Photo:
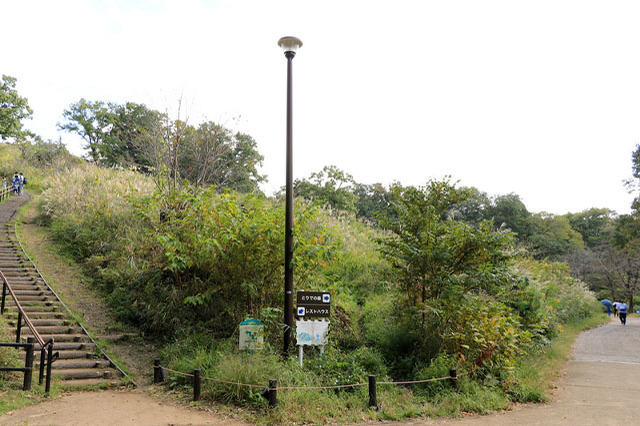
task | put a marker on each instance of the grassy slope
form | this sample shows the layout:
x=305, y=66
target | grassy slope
x=539, y=372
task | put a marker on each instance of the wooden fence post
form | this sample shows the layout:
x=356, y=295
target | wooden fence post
x=453, y=378
x=157, y=371
x=196, y=385
x=373, y=394
x=273, y=393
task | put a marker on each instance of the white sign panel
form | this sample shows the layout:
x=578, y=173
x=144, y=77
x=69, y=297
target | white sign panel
x=312, y=333
x=251, y=335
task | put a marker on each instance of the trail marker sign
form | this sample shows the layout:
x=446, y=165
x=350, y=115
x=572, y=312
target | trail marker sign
x=313, y=304
x=251, y=335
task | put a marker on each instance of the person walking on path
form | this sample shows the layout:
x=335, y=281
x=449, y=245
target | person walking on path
x=615, y=308
x=16, y=184
x=20, y=184
x=622, y=311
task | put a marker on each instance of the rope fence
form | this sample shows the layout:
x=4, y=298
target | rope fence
x=270, y=392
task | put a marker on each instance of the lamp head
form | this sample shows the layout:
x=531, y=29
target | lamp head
x=290, y=45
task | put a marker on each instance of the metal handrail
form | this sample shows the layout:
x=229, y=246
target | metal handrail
x=46, y=348
x=22, y=311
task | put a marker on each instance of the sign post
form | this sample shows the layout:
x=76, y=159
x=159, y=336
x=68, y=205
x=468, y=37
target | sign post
x=312, y=305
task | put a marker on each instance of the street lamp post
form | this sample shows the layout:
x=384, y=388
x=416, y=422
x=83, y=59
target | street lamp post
x=290, y=45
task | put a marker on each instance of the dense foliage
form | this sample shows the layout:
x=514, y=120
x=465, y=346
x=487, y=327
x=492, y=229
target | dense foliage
x=422, y=293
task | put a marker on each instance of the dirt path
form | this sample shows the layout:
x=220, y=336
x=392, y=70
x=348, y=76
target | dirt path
x=601, y=387
x=110, y=408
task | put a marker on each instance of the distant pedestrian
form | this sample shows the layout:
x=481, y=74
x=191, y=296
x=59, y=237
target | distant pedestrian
x=615, y=308
x=4, y=182
x=16, y=183
x=622, y=311
x=20, y=184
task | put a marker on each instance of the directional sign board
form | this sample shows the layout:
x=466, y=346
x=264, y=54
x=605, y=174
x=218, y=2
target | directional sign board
x=313, y=304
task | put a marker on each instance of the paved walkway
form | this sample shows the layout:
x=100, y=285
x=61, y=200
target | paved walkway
x=602, y=384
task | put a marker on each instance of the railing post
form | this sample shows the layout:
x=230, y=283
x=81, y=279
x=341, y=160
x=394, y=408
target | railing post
x=43, y=352
x=47, y=385
x=4, y=295
x=453, y=378
x=373, y=394
x=28, y=364
x=196, y=384
x=19, y=326
x=273, y=393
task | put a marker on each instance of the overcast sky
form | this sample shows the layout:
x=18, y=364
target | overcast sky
x=540, y=98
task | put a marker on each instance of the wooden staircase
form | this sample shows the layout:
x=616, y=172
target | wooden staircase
x=79, y=363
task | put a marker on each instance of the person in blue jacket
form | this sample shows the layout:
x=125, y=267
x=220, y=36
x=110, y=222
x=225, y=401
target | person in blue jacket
x=622, y=313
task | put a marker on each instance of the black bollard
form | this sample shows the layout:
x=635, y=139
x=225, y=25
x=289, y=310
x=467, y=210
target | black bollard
x=196, y=385
x=273, y=392
x=157, y=371
x=453, y=378
x=28, y=364
x=373, y=394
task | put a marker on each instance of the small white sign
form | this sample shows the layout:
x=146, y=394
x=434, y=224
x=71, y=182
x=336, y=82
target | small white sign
x=312, y=333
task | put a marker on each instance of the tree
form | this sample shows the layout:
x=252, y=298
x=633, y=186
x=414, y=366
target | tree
x=475, y=208
x=510, y=212
x=373, y=201
x=330, y=186
x=13, y=109
x=552, y=235
x=132, y=127
x=115, y=134
x=633, y=184
x=92, y=121
x=443, y=265
x=595, y=225
x=213, y=155
x=434, y=254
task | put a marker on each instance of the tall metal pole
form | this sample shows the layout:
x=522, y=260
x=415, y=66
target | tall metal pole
x=288, y=236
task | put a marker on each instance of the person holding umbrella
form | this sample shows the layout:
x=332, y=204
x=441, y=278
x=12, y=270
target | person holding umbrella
x=607, y=304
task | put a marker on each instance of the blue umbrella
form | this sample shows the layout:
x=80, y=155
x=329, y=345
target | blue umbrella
x=606, y=302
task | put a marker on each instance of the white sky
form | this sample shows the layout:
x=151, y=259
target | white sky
x=540, y=98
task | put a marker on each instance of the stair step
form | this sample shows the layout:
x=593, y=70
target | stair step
x=73, y=354
x=64, y=354
x=36, y=292
x=59, y=338
x=83, y=373
x=34, y=315
x=29, y=286
x=55, y=329
x=73, y=346
x=38, y=307
x=26, y=299
x=81, y=363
